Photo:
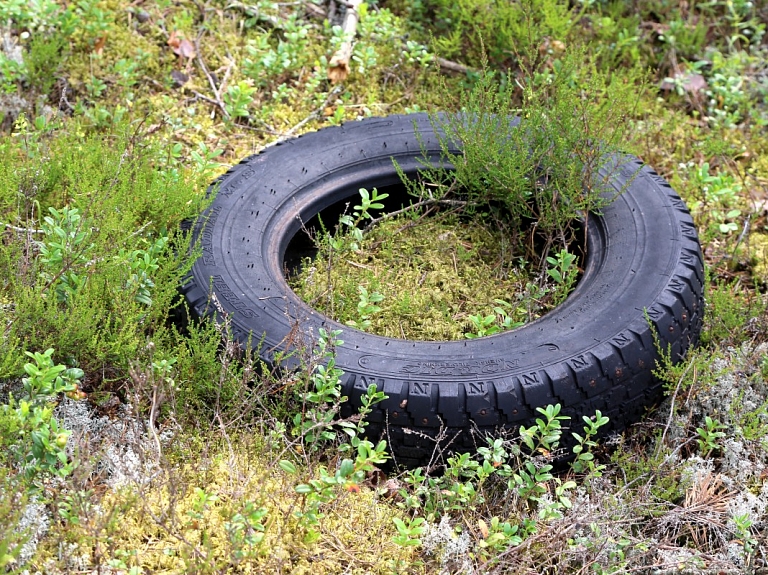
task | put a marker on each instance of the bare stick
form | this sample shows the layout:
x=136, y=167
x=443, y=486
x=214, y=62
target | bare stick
x=449, y=66
x=23, y=230
x=313, y=115
x=215, y=90
x=338, y=68
x=672, y=403
x=420, y=204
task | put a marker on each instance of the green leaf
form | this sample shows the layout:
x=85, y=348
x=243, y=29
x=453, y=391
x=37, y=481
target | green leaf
x=287, y=466
x=347, y=468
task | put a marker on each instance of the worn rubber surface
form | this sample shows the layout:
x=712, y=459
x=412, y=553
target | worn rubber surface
x=595, y=351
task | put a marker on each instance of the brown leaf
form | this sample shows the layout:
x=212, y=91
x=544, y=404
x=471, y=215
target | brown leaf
x=98, y=47
x=181, y=46
x=483, y=528
x=174, y=41
x=186, y=49
x=375, y=477
x=694, y=83
x=338, y=73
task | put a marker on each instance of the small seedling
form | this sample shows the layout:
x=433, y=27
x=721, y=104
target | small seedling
x=408, y=533
x=564, y=271
x=710, y=435
x=366, y=307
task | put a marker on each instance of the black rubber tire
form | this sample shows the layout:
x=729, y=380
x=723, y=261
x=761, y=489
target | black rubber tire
x=594, y=351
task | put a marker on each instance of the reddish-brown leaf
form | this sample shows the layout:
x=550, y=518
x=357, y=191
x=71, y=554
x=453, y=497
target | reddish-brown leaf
x=98, y=47
x=181, y=46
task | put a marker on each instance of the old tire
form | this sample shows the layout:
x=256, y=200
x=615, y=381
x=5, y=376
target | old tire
x=643, y=274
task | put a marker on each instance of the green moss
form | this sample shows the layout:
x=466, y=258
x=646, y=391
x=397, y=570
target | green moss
x=759, y=259
x=730, y=309
x=434, y=272
x=182, y=522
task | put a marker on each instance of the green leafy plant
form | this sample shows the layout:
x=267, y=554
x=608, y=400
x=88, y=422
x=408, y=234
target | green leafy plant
x=144, y=263
x=365, y=308
x=743, y=530
x=710, y=435
x=530, y=479
x=585, y=459
x=316, y=422
x=325, y=488
x=467, y=481
x=564, y=271
x=484, y=325
x=237, y=99
x=408, y=533
x=246, y=530
x=41, y=443
x=717, y=202
x=63, y=253
x=349, y=235
x=545, y=434
x=75, y=505
x=204, y=159
x=501, y=536
x=324, y=395
x=499, y=321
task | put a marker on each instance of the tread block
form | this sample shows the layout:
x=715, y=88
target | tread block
x=632, y=352
x=481, y=403
x=452, y=404
x=611, y=366
x=422, y=403
x=536, y=389
x=588, y=375
x=510, y=400
x=396, y=403
x=564, y=385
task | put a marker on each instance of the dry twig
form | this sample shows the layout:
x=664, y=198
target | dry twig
x=312, y=116
x=449, y=66
x=338, y=67
x=216, y=90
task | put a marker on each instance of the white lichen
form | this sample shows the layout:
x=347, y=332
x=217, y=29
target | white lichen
x=449, y=547
x=119, y=447
x=34, y=523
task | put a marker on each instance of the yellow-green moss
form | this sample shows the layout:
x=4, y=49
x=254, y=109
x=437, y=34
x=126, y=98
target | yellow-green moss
x=759, y=259
x=161, y=528
x=433, y=273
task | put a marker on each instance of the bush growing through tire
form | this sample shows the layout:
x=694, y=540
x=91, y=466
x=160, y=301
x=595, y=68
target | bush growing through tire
x=643, y=274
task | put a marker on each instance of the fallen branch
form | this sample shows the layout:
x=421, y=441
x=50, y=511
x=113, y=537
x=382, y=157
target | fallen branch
x=313, y=115
x=338, y=68
x=420, y=204
x=450, y=66
x=216, y=91
x=23, y=230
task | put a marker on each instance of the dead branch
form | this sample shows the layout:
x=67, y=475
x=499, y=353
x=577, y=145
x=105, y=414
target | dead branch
x=450, y=66
x=414, y=206
x=317, y=113
x=338, y=68
x=216, y=90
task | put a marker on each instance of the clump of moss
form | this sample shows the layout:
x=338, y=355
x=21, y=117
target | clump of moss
x=232, y=511
x=433, y=273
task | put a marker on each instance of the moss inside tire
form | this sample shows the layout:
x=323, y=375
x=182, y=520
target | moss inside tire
x=643, y=272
